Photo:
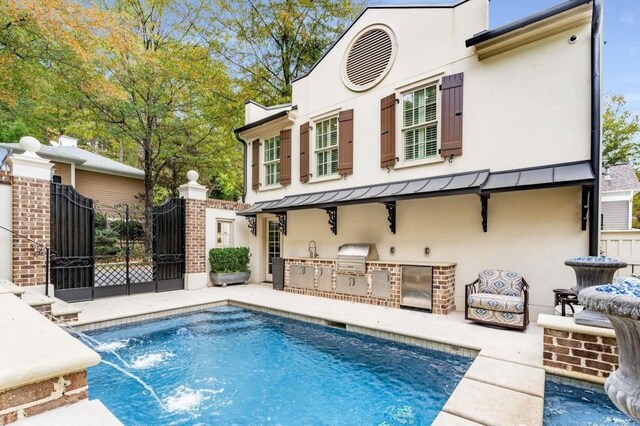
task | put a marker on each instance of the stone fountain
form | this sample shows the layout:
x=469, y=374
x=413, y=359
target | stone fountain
x=620, y=302
x=591, y=271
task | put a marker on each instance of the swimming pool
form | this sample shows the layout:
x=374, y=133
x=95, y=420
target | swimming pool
x=228, y=365
x=566, y=405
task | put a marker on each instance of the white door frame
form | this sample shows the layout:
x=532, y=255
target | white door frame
x=269, y=233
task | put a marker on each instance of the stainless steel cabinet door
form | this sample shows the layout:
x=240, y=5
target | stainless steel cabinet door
x=301, y=276
x=343, y=284
x=381, y=284
x=359, y=286
x=324, y=279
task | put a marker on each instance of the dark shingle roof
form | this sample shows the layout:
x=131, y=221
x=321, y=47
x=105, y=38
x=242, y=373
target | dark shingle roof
x=623, y=178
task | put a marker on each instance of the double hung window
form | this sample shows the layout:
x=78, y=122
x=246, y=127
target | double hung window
x=420, y=124
x=326, y=147
x=272, y=161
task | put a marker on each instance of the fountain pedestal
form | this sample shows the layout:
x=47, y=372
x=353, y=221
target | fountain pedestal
x=620, y=302
x=591, y=271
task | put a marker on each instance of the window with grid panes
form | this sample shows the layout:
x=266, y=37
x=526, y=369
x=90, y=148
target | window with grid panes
x=272, y=161
x=420, y=124
x=327, y=147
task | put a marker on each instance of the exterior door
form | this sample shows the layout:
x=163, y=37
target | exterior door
x=273, y=245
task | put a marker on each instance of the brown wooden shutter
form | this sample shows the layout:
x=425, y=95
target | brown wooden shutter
x=285, y=157
x=304, y=153
x=451, y=119
x=255, y=165
x=345, y=142
x=388, y=131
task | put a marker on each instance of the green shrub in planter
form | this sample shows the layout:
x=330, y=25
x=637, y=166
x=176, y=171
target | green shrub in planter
x=229, y=259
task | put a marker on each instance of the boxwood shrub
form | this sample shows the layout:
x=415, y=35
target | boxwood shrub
x=229, y=259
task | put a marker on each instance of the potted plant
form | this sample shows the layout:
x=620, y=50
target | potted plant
x=229, y=265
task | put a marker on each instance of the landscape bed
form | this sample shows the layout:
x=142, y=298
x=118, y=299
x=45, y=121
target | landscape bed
x=235, y=366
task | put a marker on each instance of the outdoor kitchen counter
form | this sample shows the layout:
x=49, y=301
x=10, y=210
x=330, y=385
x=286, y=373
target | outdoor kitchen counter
x=373, y=262
x=380, y=284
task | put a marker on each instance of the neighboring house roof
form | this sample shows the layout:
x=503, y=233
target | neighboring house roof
x=84, y=160
x=623, y=178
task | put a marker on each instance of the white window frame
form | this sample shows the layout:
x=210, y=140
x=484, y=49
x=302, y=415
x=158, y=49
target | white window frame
x=400, y=136
x=315, y=150
x=266, y=163
x=220, y=236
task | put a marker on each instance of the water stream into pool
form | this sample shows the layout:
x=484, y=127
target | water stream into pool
x=227, y=365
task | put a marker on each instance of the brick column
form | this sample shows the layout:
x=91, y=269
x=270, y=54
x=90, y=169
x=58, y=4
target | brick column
x=444, y=289
x=195, y=196
x=30, y=213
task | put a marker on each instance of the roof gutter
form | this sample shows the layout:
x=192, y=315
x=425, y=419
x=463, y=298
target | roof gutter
x=596, y=129
x=244, y=164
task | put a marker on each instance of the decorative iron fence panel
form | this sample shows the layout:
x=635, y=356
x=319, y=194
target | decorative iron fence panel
x=169, y=244
x=72, y=244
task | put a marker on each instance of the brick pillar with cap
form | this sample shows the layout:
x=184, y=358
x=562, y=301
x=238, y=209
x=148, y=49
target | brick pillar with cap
x=30, y=179
x=195, y=200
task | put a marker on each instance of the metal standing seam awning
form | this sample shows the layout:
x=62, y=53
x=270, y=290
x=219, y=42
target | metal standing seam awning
x=480, y=182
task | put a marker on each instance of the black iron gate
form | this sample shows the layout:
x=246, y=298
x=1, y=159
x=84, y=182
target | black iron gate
x=103, y=251
x=71, y=244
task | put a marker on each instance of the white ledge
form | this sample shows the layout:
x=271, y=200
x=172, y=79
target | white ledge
x=35, y=349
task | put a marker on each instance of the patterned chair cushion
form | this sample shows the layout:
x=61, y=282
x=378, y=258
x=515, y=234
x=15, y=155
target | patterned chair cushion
x=495, y=281
x=496, y=302
x=496, y=317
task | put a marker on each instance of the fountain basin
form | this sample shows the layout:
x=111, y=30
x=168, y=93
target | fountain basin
x=592, y=271
x=620, y=302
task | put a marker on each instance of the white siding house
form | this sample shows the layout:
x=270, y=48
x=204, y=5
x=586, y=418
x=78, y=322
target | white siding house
x=619, y=185
x=441, y=142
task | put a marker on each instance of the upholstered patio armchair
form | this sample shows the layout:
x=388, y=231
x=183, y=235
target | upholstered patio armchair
x=499, y=298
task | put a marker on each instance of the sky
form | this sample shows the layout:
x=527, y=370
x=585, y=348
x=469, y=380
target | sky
x=621, y=68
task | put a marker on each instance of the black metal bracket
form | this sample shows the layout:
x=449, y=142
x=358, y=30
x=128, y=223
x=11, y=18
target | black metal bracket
x=332, y=212
x=586, y=193
x=391, y=215
x=484, y=200
x=253, y=225
x=282, y=222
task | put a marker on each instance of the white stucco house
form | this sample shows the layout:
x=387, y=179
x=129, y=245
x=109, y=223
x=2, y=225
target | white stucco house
x=619, y=185
x=443, y=143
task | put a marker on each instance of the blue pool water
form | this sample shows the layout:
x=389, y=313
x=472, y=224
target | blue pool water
x=566, y=405
x=228, y=365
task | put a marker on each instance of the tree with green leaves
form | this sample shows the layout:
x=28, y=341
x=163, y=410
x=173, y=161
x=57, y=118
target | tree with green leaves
x=271, y=42
x=620, y=132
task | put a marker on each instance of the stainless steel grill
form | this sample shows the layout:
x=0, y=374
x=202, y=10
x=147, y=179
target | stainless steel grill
x=352, y=258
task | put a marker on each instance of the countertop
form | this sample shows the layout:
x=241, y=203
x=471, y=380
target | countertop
x=374, y=262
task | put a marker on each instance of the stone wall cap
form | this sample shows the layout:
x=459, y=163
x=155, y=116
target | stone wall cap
x=35, y=349
x=556, y=322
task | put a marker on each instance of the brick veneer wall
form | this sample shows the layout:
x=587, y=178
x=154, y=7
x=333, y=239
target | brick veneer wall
x=195, y=236
x=5, y=178
x=31, y=218
x=35, y=398
x=196, y=230
x=226, y=205
x=443, y=285
x=580, y=353
x=444, y=289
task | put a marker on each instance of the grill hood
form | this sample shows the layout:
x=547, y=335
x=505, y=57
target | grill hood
x=358, y=251
x=352, y=257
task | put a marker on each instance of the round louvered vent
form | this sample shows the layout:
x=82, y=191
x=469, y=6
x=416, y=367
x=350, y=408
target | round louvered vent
x=368, y=58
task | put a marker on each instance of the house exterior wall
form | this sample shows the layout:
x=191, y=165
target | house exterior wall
x=6, y=217
x=531, y=232
x=109, y=190
x=513, y=117
x=64, y=171
x=527, y=107
x=240, y=232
